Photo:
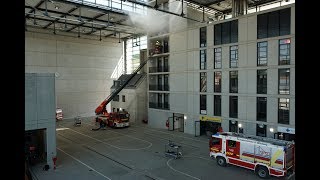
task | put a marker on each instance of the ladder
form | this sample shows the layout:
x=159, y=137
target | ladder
x=117, y=90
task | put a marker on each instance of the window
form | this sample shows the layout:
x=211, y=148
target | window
x=203, y=59
x=123, y=98
x=113, y=109
x=284, y=81
x=233, y=56
x=217, y=58
x=166, y=101
x=117, y=109
x=283, y=111
x=166, y=82
x=262, y=81
x=116, y=98
x=262, y=53
x=203, y=104
x=233, y=106
x=160, y=100
x=262, y=109
x=285, y=21
x=225, y=33
x=233, y=82
x=284, y=51
x=203, y=82
x=261, y=130
x=272, y=24
x=233, y=126
x=215, y=141
x=232, y=144
x=217, y=81
x=217, y=34
x=217, y=105
x=203, y=37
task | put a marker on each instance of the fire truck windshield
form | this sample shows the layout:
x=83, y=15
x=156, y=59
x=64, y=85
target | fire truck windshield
x=215, y=141
x=123, y=116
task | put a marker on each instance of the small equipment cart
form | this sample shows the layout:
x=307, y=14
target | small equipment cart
x=77, y=121
x=173, y=150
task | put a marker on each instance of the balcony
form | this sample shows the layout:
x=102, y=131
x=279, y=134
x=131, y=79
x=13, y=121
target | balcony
x=158, y=69
x=158, y=105
x=158, y=87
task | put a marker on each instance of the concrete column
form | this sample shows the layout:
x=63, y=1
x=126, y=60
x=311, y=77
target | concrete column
x=51, y=145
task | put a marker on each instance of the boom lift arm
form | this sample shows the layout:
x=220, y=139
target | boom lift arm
x=101, y=109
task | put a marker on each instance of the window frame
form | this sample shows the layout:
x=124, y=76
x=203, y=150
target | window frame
x=259, y=57
x=217, y=54
x=287, y=44
x=286, y=106
x=261, y=99
x=231, y=89
x=262, y=83
x=217, y=86
x=203, y=78
x=203, y=59
x=234, y=56
x=284, y=89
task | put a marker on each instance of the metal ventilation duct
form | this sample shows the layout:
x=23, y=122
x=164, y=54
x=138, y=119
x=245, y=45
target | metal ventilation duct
x=239, y=7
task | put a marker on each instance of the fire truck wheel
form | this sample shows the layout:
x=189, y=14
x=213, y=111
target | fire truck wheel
x=262, y=172
x=221, y=161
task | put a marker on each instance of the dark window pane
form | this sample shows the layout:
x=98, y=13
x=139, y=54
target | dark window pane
x=217, y=81
x=217, y=34
x=203, y=82
x=217, y=58
x=285, y=21
x=262, y=26
x=203, y=37
x=284, y=81
x=261, y=130
x=262, y=53
x=217, y=105
x=233, y=82
x=234, y=31
x=262, y=109
x=203, y=104
x=284, y=51
x=203, y=59
x=233, y=56
x=262, y=81
x=233, y=106
x=226, y=33
x=273, y=24
x=233, y=126
x=283, y=111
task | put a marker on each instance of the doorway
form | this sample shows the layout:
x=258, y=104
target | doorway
x=178, y=122
x=208, y=128
x=35, y=146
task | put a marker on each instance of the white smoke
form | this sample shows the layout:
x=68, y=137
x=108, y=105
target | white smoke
x=153, y=22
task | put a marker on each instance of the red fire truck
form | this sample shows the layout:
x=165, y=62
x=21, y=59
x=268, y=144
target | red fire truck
x=265, y=156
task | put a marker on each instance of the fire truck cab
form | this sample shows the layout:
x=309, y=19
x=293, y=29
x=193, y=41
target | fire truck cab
x=265, y=156
x=115, y=119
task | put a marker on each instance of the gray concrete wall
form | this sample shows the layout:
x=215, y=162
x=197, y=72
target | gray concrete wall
x=40, y=108
x=84, y=68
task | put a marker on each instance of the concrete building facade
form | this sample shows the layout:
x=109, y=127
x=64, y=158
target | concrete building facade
x=40, y=118
x=237, y=59
x=84, y=68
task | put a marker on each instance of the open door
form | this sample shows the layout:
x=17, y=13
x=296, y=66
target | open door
x=181, y=124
